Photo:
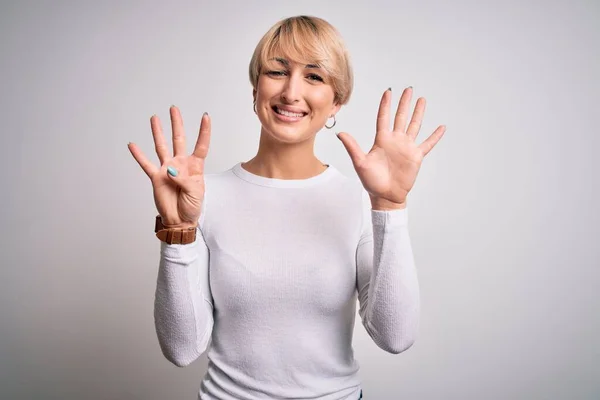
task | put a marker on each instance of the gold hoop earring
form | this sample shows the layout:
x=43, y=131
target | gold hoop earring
x=334, y=121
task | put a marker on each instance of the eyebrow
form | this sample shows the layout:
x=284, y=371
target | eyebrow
x=286, y=63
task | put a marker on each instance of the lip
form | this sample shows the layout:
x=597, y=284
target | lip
x=286, y=118
x=290, y=108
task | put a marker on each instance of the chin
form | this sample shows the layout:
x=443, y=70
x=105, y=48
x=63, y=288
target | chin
x=288, y=134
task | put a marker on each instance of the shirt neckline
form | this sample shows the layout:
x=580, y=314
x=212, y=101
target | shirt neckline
x=282, y=183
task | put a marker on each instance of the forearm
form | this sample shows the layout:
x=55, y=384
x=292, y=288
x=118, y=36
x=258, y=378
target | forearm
x=182, y=306
x=392, y=312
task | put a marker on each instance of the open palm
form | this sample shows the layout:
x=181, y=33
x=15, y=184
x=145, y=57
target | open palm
x=389, y=170
x=178, y=198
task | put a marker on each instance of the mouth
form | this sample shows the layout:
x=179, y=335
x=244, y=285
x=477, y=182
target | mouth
x=287, y=115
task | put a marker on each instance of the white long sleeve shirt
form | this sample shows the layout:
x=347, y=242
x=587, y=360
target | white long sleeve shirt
x=270, y=286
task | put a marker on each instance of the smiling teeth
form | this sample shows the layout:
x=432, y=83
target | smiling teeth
x=288, y=114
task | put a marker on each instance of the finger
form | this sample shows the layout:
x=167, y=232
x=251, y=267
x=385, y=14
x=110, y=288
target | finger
x=160, y=143
x=203, y=141
x=356, y=154
x=146, y=165
x=383, y=115
x=415, y=122
x=403, y=109
x=432, y=140
x=178, y=133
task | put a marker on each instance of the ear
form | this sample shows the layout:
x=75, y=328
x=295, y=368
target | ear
x=335, y=109
x=254, y=95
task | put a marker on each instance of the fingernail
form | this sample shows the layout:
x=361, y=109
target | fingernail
x=390, y=89
x=205, y=113
x=171, y=171
x=410, y=87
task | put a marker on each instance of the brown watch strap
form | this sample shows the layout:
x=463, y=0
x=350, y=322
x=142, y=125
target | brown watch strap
x=174, y=235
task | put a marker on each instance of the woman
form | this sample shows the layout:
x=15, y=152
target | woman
x=286, y=244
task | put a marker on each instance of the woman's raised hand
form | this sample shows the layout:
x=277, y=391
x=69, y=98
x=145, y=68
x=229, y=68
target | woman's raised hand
x=389, y=170
x=178, y=196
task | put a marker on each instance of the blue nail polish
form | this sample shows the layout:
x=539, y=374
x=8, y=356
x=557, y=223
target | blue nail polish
x=171, y=171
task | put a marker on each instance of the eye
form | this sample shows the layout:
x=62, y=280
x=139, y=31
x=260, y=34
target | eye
x=276, y=73
x=315, y=77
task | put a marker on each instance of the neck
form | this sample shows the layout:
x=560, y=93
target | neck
x=285, y=160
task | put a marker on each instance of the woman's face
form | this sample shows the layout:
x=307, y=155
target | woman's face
x=293, y=100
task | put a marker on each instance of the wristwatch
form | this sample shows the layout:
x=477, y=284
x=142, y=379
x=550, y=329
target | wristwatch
x=174, y=235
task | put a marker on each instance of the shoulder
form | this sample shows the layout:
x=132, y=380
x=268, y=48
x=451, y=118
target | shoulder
x=218, y=176
x=352, y=186
x=216, y=186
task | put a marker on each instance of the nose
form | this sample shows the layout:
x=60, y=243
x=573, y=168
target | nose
x=292, y=89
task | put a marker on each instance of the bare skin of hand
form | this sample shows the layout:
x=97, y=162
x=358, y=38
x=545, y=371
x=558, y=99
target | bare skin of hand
x=389, y=170
x=178, y=198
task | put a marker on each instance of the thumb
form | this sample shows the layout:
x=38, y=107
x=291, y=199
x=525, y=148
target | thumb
x=185, y=184
x=352, y=147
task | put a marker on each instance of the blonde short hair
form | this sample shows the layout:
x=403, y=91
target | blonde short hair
x=307, y=40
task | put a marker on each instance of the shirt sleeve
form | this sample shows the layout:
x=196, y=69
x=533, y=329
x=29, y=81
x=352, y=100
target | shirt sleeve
x=183, y=306
x=387, y=284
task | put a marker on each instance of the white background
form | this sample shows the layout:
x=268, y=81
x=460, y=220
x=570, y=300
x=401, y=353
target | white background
x=503, y=217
